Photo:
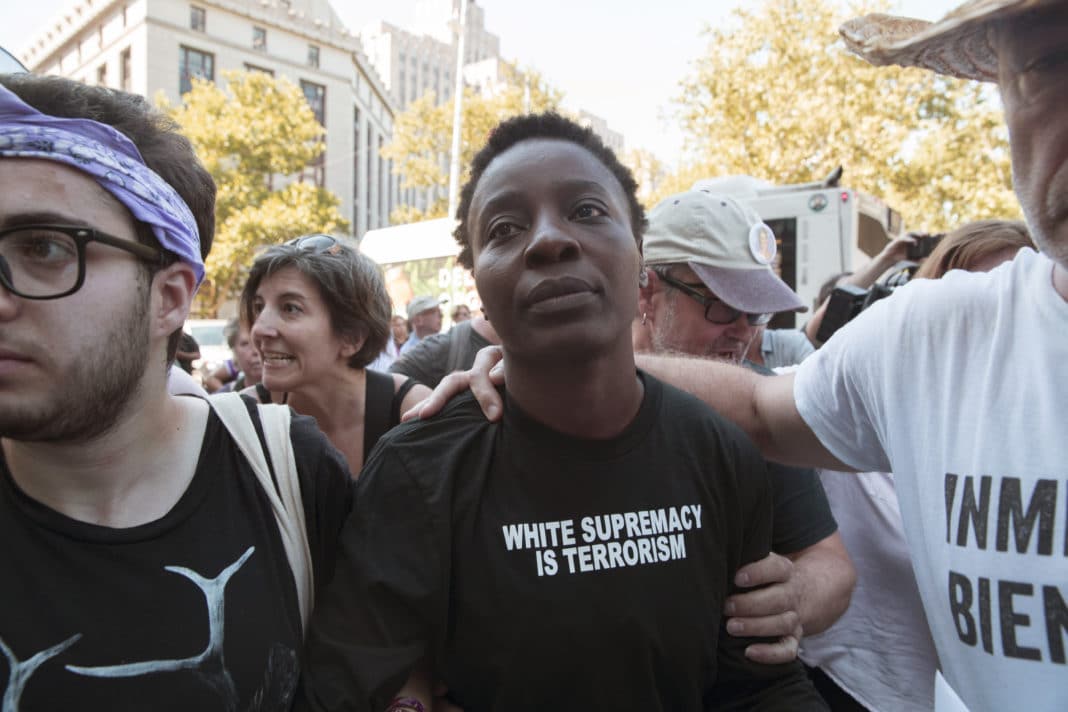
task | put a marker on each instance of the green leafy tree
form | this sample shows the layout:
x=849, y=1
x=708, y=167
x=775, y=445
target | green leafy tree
x=254, y=138
x=776, y=95
x=422, y=134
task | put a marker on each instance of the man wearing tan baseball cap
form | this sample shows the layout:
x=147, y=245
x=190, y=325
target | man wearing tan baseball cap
x=958, y=386
x=709, y=288
x=716, y=254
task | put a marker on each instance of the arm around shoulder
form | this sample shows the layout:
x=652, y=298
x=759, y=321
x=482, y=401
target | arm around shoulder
x=762, y=406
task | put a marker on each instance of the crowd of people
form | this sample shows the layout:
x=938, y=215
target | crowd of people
x=626, y=491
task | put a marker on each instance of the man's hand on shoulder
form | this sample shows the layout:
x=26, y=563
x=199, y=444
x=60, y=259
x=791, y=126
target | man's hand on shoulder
x=485, y=375
x=771, y=611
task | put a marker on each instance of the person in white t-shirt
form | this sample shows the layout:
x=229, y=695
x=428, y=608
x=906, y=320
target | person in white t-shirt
x=880, y=655
x=957, y=386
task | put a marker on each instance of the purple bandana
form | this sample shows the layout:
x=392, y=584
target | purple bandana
x=111, y=159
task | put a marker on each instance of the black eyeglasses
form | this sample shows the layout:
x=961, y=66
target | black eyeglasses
x=48, y=261
x=716, y=310
x=317, y=243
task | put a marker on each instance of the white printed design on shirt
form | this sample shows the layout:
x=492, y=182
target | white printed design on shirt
x=609, y=541
x=209, y=665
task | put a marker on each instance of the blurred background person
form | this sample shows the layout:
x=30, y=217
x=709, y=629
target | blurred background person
x=246, y=360
x=880, y=654
x=777, y=348
x=424, y=319
x=398, y=334
x=436, y=356
x=188, y=352
x=460, y=312
x=320, y=314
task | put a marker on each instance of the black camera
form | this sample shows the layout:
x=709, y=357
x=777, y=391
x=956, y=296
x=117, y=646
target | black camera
x=923, y=246
x=847, y=300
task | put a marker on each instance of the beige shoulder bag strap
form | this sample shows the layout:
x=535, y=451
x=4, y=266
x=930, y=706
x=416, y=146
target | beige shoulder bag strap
x=286, y=501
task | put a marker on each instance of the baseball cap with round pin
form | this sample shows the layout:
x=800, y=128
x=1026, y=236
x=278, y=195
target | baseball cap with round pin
x=726, y=244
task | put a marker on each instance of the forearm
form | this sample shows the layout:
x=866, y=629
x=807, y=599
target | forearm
x=726, y=388
x=825, y=577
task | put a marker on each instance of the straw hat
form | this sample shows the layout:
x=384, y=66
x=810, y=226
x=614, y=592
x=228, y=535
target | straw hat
x=960, y=44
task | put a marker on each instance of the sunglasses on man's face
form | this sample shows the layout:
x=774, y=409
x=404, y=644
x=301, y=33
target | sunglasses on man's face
x=716, y=310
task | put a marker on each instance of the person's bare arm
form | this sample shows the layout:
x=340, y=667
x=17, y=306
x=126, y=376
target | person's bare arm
x=804, y=592
x=763, y=406
x=827, y=579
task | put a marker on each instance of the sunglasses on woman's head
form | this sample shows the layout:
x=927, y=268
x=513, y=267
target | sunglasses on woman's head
x=316, y=243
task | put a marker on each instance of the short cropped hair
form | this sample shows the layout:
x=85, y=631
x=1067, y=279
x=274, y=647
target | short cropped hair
x=972, y=243
x=350, y=285
x=549, y=125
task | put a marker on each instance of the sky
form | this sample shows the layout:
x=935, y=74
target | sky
x=620, y=60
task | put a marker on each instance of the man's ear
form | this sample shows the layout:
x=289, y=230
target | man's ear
x=646, y=289
x=173, y=288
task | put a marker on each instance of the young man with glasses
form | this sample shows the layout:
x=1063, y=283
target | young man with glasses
x=143, y=568
x=709, y=289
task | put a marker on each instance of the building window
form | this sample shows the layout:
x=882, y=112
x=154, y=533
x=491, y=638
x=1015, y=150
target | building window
x=383, y=187
x=100, y=37
x=259, y=39
x=316, y=96
x=124, y=69
x=198, y=18
x=355, y=166
x=102, y=75
x=369, y=159
x=313, y=56
x=194, y=63
x=261, y=70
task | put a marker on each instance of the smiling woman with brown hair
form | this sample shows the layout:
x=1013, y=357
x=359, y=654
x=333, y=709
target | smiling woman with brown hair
x=320, y=314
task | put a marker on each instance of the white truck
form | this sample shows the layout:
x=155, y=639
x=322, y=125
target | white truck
x=420, y=259
x=820, y=228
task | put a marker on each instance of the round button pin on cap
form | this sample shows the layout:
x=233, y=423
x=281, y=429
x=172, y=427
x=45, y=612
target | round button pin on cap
x=762, y=243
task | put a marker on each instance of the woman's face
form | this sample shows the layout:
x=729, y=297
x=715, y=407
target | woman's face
x=555, y=257
x=248, y=358
x=293, y=333
x=400, y=329
x=462, y=313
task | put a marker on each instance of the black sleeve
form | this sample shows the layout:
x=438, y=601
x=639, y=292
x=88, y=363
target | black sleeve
x=426, y=361
x=375, y=621
x=740, y=683
x=803, y=515
x=326, y=488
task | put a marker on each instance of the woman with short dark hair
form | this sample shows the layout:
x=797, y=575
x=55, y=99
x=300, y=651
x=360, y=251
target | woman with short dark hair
x=320, y=314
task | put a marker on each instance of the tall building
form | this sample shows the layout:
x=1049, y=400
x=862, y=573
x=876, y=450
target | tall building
x=147, y=46
x=612, y=139
x=414, y=61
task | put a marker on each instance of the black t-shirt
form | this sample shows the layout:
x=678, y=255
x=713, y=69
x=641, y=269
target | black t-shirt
x=194, y=611
x=437, y=356
x=539, y=571
x=803, y=514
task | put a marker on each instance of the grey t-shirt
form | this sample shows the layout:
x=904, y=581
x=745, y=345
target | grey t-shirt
x=436, y=356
